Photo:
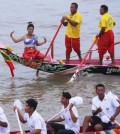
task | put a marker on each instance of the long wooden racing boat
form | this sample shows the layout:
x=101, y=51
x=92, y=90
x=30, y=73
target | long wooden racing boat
x=89, y=131
x=89, y=65
x=56, y=68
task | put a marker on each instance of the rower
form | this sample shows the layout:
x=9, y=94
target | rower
x=35, y=121
x=102, y=106
x=70, y=116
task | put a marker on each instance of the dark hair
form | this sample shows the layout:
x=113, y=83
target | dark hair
x=67, y=95
x=105, y=8
x=100, y=85
x=32, y=103
x=30, y=24
x=76, y=5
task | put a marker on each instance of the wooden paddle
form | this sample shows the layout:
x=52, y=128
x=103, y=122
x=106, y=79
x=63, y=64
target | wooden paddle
x=79, y=67
x=18, y=104
x=116, y=43
x=76, y=101
x=51, y=44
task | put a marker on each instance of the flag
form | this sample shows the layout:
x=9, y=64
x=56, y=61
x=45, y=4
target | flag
x=8, y=60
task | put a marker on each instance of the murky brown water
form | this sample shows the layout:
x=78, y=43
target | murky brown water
x=47, y=88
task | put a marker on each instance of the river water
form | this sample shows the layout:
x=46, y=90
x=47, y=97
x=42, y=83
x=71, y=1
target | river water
x=47, y=88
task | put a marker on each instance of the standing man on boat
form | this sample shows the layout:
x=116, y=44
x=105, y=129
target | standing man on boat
x=106, y=35
x=73, y=22
x=35, y=121
x=70, y=116
x=4, y=124
x=102, y=105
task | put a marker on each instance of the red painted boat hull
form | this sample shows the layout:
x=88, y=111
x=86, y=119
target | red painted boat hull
x=89, y=131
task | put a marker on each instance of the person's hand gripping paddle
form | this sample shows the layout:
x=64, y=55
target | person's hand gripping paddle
x=18, y=105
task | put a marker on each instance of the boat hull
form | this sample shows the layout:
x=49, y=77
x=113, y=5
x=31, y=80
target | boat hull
x=89, y=131
x=55, y=68
x=89, y=66
x=106, y=70
x=93, y=66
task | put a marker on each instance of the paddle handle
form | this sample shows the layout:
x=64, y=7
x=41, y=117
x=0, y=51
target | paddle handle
x=77, y=70
x=56, y=115
x=53, y=39
x=18, y=121
x=116, y=43
x=108, y=116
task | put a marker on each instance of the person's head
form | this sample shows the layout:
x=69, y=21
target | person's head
x=103, y=9
x=31, y=105
x=65, y=98
x=73, y=8
x=100, y=90
x=30, y=28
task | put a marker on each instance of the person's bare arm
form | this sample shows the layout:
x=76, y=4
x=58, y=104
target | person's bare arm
x=115, y=114
x=95, y=112
x=102, y=31
x=41, y=43
x=36, y=131
x=65, y=23
x=74, y=118
x=73, y=23
x=14, y=39
x=20, y=115
x=59, y=119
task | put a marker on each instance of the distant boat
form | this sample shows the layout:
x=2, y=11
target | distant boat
x=90, y=65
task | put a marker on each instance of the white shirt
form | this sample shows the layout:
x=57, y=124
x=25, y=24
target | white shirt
x=35, y=121
x=4, y=130
x=108, y=105
x=69, y=124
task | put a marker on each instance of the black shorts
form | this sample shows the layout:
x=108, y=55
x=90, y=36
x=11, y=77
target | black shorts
x=97, y=120
x=60, y=128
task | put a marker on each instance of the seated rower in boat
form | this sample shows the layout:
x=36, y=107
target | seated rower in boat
x=31, y=42
x=34, y=120
x=70, y=116
x=104, y=109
